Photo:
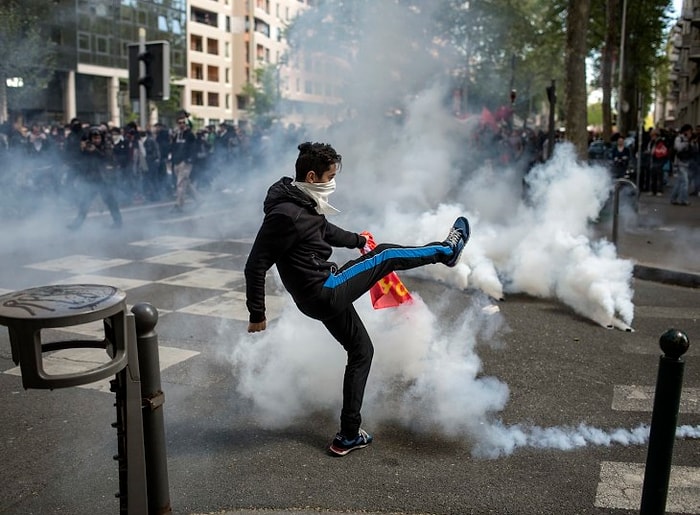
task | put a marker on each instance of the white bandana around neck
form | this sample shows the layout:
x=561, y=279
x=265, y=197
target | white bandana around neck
x=319, y=191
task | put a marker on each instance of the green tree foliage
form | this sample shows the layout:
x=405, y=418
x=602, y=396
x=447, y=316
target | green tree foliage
x=646, y=34
x=263, y=96
x=487, y=48
x=27, y=54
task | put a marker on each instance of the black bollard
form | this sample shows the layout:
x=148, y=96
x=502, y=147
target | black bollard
x=667, y=398
x=146, y=317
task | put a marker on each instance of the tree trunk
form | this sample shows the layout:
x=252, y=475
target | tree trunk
x=576, y=95
x=611, y=10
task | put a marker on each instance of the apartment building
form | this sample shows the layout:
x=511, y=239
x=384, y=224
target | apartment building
x=229, y=39
x=226, y=41
x=681, y=105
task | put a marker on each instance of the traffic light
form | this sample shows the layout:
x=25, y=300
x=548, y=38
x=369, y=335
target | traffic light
x=157, y=76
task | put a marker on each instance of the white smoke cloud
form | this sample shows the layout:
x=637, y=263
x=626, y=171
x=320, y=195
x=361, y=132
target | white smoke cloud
x=406, y=182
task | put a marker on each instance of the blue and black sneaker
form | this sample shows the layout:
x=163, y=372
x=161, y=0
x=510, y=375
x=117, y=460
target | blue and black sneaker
x=457, y=239
x=342, y=445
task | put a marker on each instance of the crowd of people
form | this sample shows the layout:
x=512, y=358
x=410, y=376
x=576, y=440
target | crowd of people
x=668, y=158
x=123, y=165
x=129, y=165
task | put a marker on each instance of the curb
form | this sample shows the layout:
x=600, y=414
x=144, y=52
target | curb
x=666, y=276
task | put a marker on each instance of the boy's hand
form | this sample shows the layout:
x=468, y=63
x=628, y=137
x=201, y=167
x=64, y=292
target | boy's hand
x=255, y=327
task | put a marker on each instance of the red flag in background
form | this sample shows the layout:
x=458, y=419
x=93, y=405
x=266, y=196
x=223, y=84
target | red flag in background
x=389, y=291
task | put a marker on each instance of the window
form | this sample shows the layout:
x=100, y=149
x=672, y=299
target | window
x=227, y=75
x=262, y=27
x=228, y=101
x=213, y=73
x=84, y=41
x=212, y=46
x=213, y=99
x=197, y=71
x=227, y=49
x=205, y=17
x=197, y=98
x=196, y=43
x=101, y=45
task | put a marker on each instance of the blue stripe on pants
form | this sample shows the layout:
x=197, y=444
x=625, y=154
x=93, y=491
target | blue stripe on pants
x=334, y=281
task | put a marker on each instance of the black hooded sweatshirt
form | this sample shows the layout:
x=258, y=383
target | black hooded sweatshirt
x=299, y=241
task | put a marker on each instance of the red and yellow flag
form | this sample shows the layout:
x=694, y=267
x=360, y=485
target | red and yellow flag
x=389, y=291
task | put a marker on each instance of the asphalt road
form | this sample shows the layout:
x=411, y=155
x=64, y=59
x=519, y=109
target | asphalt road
x=561, y=370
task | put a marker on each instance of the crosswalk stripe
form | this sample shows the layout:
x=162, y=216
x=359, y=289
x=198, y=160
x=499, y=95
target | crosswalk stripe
x=620, y=487
x=70, y=361
x=641, y=398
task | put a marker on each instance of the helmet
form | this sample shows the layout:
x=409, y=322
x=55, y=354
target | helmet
x=95, y=131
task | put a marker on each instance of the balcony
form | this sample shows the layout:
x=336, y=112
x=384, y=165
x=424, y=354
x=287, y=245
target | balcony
x=694, y=51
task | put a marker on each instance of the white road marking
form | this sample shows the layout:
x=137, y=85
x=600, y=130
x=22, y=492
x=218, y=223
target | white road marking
x=77, y=263
x=641, y=398
x=191, y=258
x=212, y=278
x=172, y=242
x=122, y=283
x=71, y=361
x=620, y=487
x=231, y=305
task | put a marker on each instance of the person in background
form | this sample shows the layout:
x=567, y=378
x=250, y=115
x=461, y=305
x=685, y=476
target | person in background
x=183, y=149
x=620, y=159
x=151, y=182
x=121, y=155
x=684, y=154
x=162, y=139
x=96, y=156
x=296, y=237
x=694, y=171
x=658, y=156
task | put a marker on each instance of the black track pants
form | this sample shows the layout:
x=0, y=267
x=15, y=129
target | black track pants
x=333, y=306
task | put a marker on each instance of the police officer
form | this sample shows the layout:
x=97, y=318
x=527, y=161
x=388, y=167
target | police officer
x=96, y=157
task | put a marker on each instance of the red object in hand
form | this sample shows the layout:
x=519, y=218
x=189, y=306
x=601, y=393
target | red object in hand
x=389, y=291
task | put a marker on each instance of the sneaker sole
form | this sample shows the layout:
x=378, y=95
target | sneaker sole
x=337, y=451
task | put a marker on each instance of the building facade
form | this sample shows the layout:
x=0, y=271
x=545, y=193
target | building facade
x=216, y=47
x=681, y=104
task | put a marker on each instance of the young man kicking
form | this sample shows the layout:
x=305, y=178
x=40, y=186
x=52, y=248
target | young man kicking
x=296, y=237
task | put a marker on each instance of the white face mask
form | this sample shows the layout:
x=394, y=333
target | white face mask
x=116, y=138
x=319, y=191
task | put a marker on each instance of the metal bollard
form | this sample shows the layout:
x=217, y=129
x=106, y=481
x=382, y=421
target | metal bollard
x=667, y=398
x=146, y=317
x=619, y=183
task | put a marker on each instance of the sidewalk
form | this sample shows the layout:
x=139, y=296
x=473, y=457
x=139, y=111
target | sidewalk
x=661, y=239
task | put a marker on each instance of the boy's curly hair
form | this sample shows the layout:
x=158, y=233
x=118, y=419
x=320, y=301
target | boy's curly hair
x=318, y=157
